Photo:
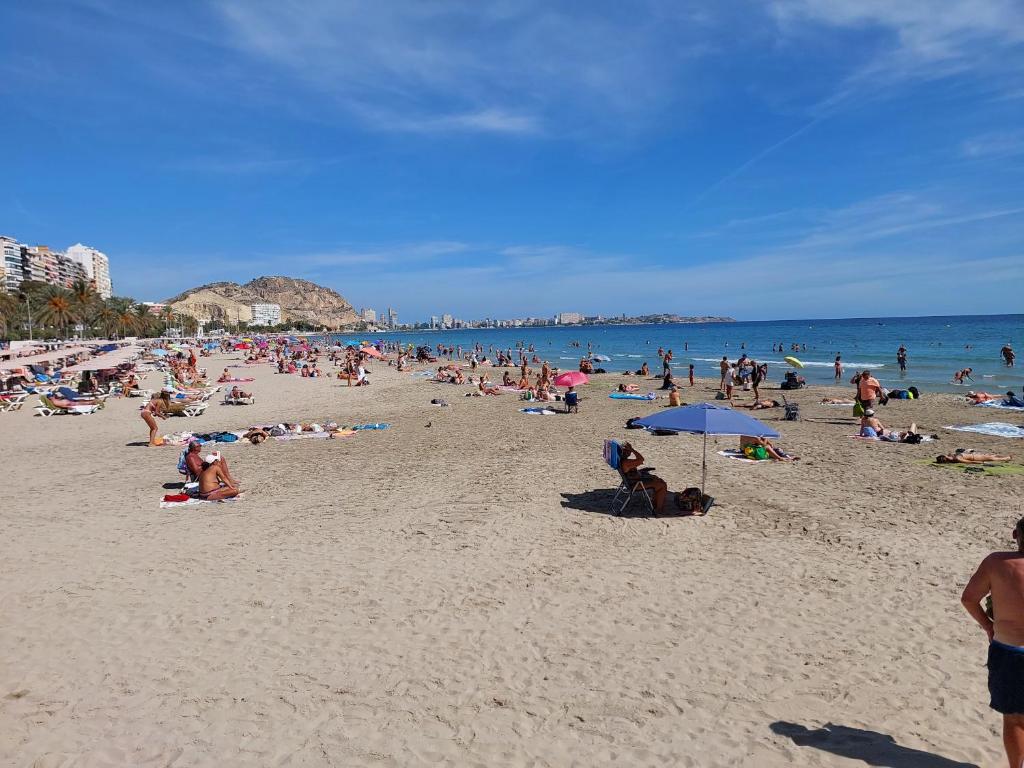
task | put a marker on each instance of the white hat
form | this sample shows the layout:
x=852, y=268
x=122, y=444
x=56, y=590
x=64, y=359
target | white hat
x=212, y=457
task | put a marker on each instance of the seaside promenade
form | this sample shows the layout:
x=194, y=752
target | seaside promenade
x=452, y=590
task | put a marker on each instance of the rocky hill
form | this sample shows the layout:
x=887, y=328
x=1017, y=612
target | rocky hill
x=299, y=300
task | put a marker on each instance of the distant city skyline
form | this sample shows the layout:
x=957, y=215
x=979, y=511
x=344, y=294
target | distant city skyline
x=792, y=158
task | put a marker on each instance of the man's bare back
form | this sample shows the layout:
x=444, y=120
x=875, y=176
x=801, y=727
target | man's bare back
x=1002, y=575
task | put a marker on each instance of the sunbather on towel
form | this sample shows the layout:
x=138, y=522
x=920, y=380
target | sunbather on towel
x=969, y=456
x=630, y=462
x=256, y=435
x=836, y=401
x=746, y=441
x=214, y=483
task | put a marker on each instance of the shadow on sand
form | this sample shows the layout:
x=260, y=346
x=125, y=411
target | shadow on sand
x=871, y=747
x=599, y=501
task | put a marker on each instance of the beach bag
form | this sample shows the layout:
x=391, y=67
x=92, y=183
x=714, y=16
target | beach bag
x=690, y=500
x=858, y=409
x=755, y=452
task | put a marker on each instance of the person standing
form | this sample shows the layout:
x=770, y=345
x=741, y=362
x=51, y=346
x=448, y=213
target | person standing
x=755, y=379
x=691, y=374
x=724, y=368
x=901, y=358
x=1001, y=576
x=839, y=368
x=869, y=391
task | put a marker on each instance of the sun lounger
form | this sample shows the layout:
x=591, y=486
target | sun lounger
x=188, y=410
x=228, y=400
x=48, y=407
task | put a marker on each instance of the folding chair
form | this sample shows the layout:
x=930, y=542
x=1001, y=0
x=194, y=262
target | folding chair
x=627, y=487
x=572, y=402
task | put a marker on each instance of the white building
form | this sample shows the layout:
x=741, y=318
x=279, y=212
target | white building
x=569, y=318
x=368, y=315
x=447, y=320
x=265, y=314
x=12, y=265
x=97, y=267
x=392, y=318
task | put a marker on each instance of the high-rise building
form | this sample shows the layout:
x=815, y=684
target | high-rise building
x=12, y=262
x=97, y=267
x=44, y=266
x=265, y=314
x=368, y=315
x=433, y=322
x=382, y=318
x=568, y=318
x=446, y=320
x=392, y=318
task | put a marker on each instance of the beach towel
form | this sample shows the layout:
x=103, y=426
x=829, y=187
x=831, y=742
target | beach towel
x=924, y=439
x=989, y=468
x=182, y=500
x=632, y=396
x=612, y=453
x=364, y=427
x=239, y=381
x=1001, y=405
x=737, y=455
x=993, y=428
x=538, y=411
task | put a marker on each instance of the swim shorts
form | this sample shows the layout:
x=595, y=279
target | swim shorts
x=1006, y=678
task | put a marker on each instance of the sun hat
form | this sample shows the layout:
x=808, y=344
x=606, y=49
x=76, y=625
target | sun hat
x=212, y=457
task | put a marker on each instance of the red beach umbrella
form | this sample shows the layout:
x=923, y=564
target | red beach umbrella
x=571, y=379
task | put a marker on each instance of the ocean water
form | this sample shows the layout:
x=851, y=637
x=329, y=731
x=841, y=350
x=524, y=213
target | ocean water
x=936, y=347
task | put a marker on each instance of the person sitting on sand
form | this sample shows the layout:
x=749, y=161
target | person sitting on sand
x=194, y=461
x=668, y=382
x=524, y=383
x=747, y=441
x=214, y=483
x=870, y=426
x=486, y=388
x=507, y=381
x=969, y=456
x=1012, y=400
x=224, y=377
x=673, y=398
x=630, y=462
x=585, y=366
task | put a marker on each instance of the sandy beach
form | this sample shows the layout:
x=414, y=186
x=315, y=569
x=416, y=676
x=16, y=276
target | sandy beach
x=453, y=590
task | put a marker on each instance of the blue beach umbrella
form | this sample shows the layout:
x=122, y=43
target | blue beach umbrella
x=706, y=419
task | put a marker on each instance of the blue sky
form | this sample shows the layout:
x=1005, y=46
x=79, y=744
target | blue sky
x=783, y=158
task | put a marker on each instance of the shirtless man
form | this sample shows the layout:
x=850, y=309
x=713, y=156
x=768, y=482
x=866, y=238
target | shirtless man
x=194, y=462
x=214, y=483
x=1001, y=575
x=630, y=461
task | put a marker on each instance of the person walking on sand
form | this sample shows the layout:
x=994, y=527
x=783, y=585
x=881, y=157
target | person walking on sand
x=1001, y=576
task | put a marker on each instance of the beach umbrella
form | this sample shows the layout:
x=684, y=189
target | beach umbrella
x=371, y=351
x=794, y=362
x=706, y=419
x=571, y=379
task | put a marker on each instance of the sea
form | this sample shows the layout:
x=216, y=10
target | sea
x=937, y=347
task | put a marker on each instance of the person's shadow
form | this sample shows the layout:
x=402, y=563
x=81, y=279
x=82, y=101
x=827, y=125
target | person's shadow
x=872, y=747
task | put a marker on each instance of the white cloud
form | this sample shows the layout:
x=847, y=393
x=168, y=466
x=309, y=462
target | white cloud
x=995, y=145
x=499, y=67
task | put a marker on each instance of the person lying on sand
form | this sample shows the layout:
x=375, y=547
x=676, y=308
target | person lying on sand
x=486, y=388
x=630, y=462
x=256, y=435
x=836, y=401
x=628, y=388
x=760, y=405
x=214, y=484
x=969, y=456
x=747, y=441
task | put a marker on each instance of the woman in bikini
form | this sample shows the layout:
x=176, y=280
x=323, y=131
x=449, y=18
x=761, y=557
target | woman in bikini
x=155, y=408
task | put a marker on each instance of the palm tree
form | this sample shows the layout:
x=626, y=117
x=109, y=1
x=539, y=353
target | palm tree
x=106, y=319
x=9, y=307
x=145, y=323
x=85, y=299
x=168, y=317
x=58, y=309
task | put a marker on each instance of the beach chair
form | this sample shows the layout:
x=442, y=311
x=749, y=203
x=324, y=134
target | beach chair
x=228, y=400
x=13, y=401
x=572, y=402
x=47, y=407
x=189, y=410
x=792, y=410
x=627, y=487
